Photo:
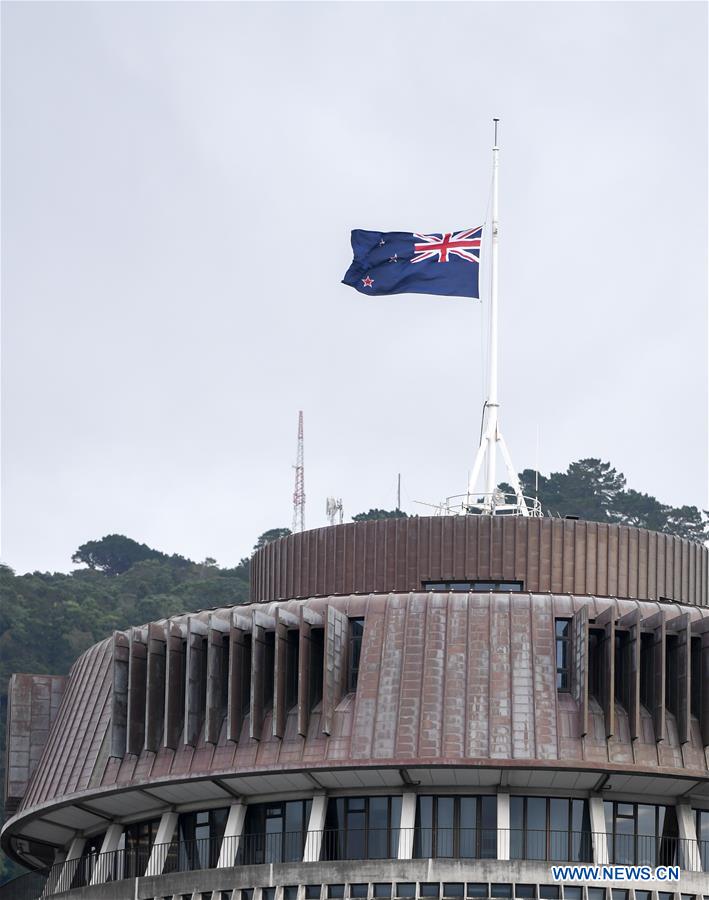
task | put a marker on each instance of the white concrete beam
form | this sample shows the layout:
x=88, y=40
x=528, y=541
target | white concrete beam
x=232, y=835
x=598, y=830
x=689, y=857
x=103, y=868
x=158, y=855
x=316, y=827
x=503, y=825
x=407, y=825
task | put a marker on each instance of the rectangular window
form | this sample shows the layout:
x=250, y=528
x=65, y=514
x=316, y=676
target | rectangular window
x=696, y=685
x=354, y=653
x=595, y=663
x=557, y=829
x=671, y=675
x=316, y=667
x=456, y=827
x=641, y=833
x=703, y=837
x=477, y=586
x=274, y=832
x=362, y=828
x=563, y=654
x=292, y=658
x=647, y=671
x=622, y=668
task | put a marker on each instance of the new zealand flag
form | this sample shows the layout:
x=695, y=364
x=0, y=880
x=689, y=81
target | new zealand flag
x=397, y=262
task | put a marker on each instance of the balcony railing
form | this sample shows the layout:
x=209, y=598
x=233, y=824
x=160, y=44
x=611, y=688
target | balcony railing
x=349, y=844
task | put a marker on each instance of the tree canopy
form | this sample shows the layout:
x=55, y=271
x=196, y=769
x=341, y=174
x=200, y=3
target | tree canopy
x=114, y=554
x=379, y=514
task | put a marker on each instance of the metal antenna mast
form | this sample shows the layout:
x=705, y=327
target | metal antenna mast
x=492, y=436
x=299, y=492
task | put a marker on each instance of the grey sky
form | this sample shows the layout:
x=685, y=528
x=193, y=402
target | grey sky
x=179, y=183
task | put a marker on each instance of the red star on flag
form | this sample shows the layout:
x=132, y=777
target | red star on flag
x=367, y=282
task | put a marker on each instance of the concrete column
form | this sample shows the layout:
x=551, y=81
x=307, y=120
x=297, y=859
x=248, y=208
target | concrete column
x=158, y=855
x=598, y=830
x=407, y=826
x=316, y=826
x=232, y=835
x=50, y=886
x=503, y=825
x=71, y=864
x=105, y=862
x=688, y=857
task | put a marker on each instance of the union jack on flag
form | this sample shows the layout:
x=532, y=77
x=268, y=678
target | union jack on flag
x=382, y=262
x=442, y=246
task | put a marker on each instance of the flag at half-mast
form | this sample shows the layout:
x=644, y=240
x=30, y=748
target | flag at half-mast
x=400, y=262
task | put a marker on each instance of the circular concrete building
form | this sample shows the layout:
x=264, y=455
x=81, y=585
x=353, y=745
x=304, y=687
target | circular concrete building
x=443, y=708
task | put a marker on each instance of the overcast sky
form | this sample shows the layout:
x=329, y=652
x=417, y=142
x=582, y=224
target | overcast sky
x=179, y=184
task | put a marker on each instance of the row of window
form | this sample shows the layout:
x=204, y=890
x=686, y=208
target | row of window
x=622, y=666
x=440, y=891
x=452, y=827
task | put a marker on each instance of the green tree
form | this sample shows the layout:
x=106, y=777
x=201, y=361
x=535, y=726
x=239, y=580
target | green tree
x=272, y=534
x=114, y=554
x=379, y=514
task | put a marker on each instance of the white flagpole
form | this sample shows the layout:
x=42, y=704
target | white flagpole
x=492, y=402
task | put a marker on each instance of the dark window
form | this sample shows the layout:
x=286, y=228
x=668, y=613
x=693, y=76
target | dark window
x=268, y=893
x=572, y=892
x=619, y=894
x=479, y=586
x=456, y=827
x=526, y=891
x=88, y=861
x=550, y=828
x=596, y=893
x=292, y=659
x=199, y=838
x=381, y=891
x=671, y=675
x=246, y=674
x=362, y=828
x=549, y=892
x=665, y=895
x=359, y=890
x=456, y=889
x=477, y=889
x=139, y=840
x=595, y=662
x=316, y=666
x=563, y=654
x=335, y=891
x=268, y=669
x=274, y=832
x=647, y=671
x=696, y=680
x=290, y=892
x=500, y=890
x=247, y=894
x=641, y=833
x=622, y=672
x=406, y=890
x=312, y=891
x=429, y=890
x=355, y=650
x=643, y=895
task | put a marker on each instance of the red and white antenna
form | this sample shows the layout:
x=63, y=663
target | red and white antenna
x=299, y=492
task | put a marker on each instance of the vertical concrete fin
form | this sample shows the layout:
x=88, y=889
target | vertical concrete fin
x=607, y=620
x=684, y=673
x=174, y=684
x=217, y=681
x=579, y=631
x=659, y=687
x=155, y=686
x=119, y=695
x=634, y=687
x=195, y=679
x=334, y=664
x=239, y=675
x=704, y=708
x=137, y=689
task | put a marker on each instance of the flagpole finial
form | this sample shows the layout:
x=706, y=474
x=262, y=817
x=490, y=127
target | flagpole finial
x=496, y=121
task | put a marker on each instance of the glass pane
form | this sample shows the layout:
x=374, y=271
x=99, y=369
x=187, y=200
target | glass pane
x=444, y=826
x=477, y=889
x=456, y=889
x=571, y=892
x=516, y=827
x=378, y=843
x=395, y=821
x=429, y=890
x=406, y=890
x=548, y=891
x=558, y=829
x=501, y=890
x=488, y=825
x=536, y=828
x=525, y=891
x=382, y=891
x=423, y=845
x=468, y=829
x=335, y=891
x=359, y=890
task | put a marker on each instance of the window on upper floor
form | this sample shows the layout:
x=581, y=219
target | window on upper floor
x=703, y=837
x=456, y=827
x=198, y=840
x=362, y=828
x=292, y=662
x=479, y=586
x=562, y=629
x=641, y=833
x=553, y=828
x=274, y=832
x=696, y=677
x=354, y=652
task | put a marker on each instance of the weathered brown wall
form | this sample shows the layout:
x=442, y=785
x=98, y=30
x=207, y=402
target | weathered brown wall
x=549, y=555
